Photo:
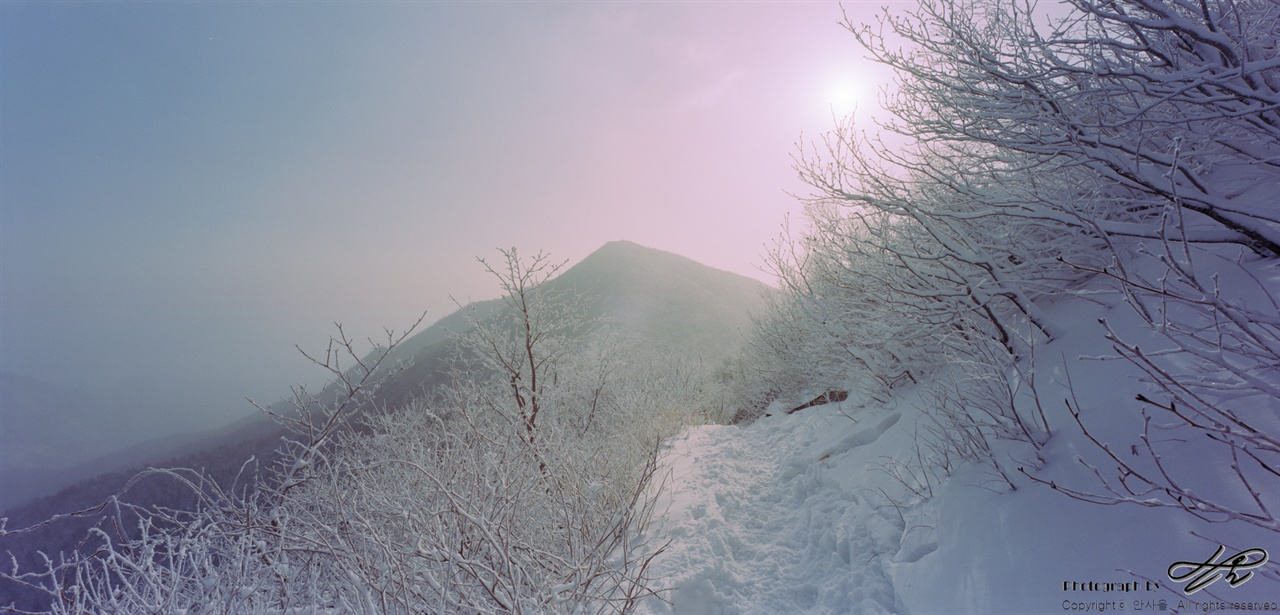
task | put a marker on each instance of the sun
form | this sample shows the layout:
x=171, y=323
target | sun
x=845, y=94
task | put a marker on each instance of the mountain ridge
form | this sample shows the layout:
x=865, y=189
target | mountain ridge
x=647, y=283
x=672, y=301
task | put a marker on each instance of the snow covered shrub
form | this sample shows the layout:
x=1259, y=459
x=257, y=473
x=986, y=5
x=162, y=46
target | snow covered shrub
x=953, y=240
x=1163, y=102
x=237, y=551
x=884, y=282
x=981, y=398
x=777, y=360
x=464, y=515
x=1135, y=140
x=864, y=311
x=847, y=316
x=524, y=487
x=1210, y=355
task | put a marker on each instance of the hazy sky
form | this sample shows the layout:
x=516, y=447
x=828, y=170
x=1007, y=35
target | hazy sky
x=192, y=188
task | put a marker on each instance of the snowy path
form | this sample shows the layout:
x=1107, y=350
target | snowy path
x=768, y=519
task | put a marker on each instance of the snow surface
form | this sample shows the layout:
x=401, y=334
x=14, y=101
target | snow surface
x=760, y=526
x=789, y=514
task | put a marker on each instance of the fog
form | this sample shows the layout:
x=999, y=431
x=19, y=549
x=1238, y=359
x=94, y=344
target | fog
x=189, y=190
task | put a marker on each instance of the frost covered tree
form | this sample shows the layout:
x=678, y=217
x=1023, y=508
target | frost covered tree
x=525, y=486
x=525, y=341
x=1132, y=140
x=1163, y=103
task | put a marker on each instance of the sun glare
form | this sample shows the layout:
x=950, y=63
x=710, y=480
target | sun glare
x=844, y=96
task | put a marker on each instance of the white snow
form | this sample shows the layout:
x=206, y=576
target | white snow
x=759, y=525
x=789, y=514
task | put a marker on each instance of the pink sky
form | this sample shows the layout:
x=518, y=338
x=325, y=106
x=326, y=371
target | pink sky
x=195, y=188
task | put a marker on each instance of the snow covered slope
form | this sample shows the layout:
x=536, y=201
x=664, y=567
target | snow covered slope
x=793, y=513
